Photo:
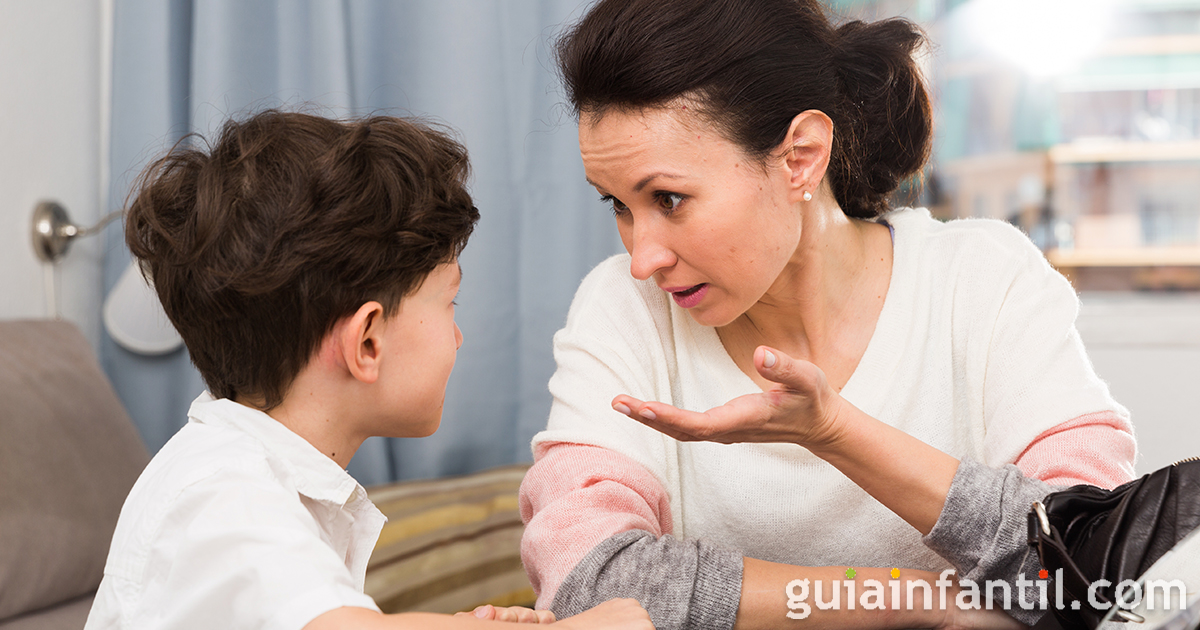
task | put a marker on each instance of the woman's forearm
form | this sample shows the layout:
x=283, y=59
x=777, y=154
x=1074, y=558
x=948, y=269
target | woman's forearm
x=688, y=584
x=906, y=475
x=865, y=598
x=682, y=583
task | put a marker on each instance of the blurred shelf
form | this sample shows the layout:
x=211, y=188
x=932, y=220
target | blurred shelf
x=1125, y=257
x=1103, y=151
x=1179, y=44
x=988, y=163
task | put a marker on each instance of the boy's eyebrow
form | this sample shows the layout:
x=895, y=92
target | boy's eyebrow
x=460, y=275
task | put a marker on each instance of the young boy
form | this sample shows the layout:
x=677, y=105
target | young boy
x=311, y=267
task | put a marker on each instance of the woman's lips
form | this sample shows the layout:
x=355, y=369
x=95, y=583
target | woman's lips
x=687, y=297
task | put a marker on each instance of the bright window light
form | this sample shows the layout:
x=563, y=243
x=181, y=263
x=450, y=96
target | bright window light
x=1043, y=37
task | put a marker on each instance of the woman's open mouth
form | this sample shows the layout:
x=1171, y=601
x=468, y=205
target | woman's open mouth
x=690, y=296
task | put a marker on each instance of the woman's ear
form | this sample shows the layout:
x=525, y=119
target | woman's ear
x=806, y=150
x=360, y=342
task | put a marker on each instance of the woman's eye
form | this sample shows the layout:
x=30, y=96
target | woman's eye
x=669, y=201
x=618, y=208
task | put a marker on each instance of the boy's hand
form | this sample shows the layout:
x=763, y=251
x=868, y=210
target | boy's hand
x=800, y=409
x=614, y=614
x=513, y=614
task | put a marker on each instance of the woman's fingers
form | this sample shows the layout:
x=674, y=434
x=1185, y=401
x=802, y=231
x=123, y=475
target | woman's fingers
x=511, y=614
x=487, y=611
x=735, y=421
x=660, y=420
x=801, y=409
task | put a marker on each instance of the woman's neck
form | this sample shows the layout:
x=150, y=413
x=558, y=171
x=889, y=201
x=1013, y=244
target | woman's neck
x=825, y=304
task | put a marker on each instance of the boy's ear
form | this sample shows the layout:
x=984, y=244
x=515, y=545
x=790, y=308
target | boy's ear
x=806, y=150
x=361, y=342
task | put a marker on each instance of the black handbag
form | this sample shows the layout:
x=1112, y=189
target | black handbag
x=1093, y=534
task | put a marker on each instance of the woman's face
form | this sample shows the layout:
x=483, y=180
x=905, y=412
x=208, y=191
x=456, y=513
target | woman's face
x=708, y=225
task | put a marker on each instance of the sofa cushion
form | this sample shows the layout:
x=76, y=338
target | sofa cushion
x=68, y=456
x=450, y=544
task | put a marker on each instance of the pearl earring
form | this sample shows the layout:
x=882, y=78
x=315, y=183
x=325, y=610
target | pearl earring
x=807, y=196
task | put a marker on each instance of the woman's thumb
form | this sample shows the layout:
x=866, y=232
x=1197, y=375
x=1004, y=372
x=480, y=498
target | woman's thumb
x=796, y=374
x=772, y=364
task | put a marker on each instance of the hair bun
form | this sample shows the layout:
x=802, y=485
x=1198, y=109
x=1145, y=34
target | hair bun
x=890, y=121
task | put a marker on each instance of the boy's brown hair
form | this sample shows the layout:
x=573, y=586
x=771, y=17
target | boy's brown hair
x=288, y=223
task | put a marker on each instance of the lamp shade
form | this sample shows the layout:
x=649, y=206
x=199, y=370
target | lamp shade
x=135, y=318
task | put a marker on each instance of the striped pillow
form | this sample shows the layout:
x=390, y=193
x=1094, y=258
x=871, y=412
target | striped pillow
x=450, y=544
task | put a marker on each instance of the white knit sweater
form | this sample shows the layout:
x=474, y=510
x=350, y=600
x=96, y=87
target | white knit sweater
x=975, y=352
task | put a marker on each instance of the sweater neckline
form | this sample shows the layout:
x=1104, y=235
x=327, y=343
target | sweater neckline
x=867, y=386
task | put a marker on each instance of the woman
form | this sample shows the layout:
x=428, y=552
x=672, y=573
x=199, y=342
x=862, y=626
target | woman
x=748, y=149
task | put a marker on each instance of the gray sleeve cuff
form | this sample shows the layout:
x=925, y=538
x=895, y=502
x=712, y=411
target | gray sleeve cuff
x=682, y=583
x=982, y=529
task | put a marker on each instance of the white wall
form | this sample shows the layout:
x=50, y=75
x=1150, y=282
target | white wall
x=1147, y=347
x=50, y=130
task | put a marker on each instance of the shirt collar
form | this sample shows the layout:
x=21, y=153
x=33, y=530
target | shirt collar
x=315, y=475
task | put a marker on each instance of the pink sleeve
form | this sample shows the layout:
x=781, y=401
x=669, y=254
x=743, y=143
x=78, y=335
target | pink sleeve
x=576, y=496
x=1095, y=448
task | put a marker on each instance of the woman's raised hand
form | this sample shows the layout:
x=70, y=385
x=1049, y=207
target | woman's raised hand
x=801, y=408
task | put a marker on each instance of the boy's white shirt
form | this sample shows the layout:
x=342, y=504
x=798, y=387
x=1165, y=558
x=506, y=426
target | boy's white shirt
x=237, y=523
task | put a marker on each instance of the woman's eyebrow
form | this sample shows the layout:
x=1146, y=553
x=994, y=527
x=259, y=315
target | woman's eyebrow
x=637, y=188
x=645, y=181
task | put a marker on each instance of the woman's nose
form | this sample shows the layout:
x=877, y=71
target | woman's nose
x=457, y=336
x=649, y=255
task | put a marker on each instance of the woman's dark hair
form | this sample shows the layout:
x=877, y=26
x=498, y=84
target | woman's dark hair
x=288, y=223
x=752, y=66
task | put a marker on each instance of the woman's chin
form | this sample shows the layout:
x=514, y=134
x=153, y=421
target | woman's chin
x=713, y=318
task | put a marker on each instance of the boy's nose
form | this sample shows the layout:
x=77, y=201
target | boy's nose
x=458, y=338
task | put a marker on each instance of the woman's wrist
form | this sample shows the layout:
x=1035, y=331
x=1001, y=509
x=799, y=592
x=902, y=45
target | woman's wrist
x=842, y=423
x=882, y=460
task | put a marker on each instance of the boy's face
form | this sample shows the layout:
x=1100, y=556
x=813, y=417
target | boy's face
x=421, y=341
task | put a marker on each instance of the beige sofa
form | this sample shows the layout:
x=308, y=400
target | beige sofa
x=68, y=456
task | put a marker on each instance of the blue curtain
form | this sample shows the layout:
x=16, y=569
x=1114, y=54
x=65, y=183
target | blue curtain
x=485, y=68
